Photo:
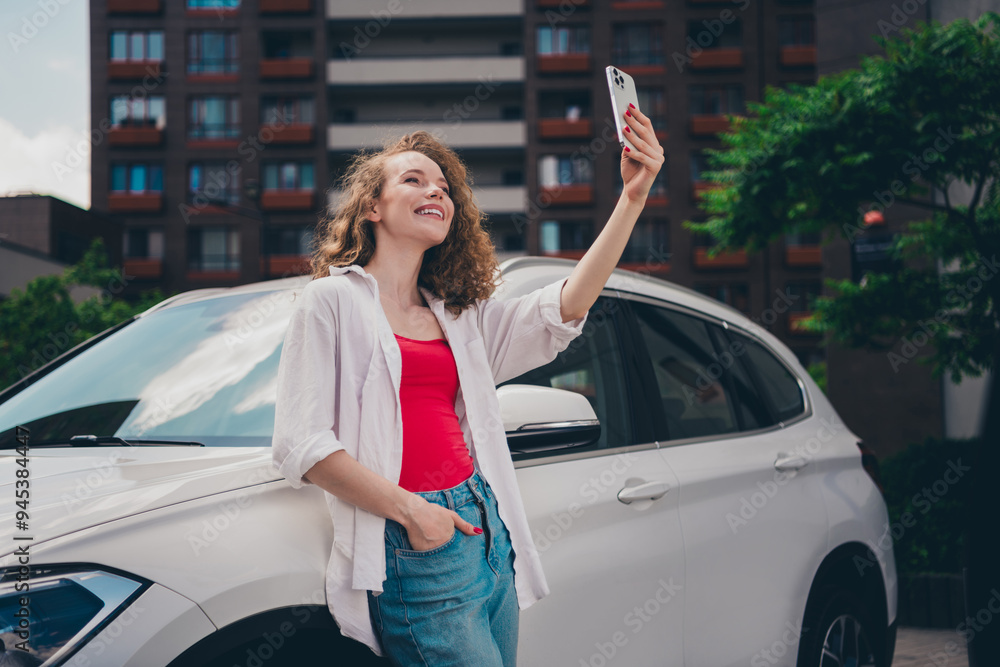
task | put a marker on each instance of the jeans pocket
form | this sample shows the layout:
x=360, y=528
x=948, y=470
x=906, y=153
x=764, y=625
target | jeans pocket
x=409, y=552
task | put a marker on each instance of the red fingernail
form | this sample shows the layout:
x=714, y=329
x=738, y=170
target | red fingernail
x=628, y=150
x=631, y=106
x=628, y=114
x=478, y=530
x=627, y=129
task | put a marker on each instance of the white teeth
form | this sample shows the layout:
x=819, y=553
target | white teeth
x=431, y=210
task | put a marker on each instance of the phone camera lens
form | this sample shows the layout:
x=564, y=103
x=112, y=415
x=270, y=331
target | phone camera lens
x=615, y=71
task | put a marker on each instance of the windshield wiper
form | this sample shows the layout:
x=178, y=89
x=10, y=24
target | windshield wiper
x=108, y=440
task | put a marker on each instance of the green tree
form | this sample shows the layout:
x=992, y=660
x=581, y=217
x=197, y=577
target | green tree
x=41, y=322
x=901, y=126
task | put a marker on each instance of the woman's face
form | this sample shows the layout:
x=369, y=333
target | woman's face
x=415, y=200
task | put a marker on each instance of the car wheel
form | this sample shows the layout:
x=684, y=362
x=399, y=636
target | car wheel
x=843, y=633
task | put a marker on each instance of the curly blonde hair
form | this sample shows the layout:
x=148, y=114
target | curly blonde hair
x=459, y=270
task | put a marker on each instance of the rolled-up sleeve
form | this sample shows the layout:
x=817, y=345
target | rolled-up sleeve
x=525, y=332
x=304, y=415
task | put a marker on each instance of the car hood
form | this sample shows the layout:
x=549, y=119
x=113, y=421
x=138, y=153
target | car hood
x=70, y=489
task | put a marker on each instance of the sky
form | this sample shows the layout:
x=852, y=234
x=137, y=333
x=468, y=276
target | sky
x=45, y=98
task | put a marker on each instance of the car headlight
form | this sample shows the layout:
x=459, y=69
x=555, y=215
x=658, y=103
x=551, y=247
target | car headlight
x=53, y=610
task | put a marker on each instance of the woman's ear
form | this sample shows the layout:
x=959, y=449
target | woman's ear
x=373, y=214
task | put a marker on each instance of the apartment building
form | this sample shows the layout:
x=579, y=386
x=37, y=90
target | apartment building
x=229, y=121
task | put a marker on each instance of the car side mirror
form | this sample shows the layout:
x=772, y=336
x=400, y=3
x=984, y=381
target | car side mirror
x=545, y=418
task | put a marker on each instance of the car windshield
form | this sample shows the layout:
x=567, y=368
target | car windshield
x=203, y=371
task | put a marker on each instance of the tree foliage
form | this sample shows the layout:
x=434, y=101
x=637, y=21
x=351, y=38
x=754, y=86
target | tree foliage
x=41, y=322
x=899, y=128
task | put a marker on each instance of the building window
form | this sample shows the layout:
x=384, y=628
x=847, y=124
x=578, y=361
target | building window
x=736, y=295
x=143, y=243
x=556, y=235
x=214, y=117
x=796, y=31
x=212, y=183
x=290, y=240
x=145, y=112
x=556, y=170
x=213, y=249
x=638, y=44
x=565, y=39
x=802, y=238
x=649, y=242
x=715, y=100
x=285, y=110
x=288, y=176
x=652, y=103
x=709, y=36
x=136, y=45
x=213, y=4
x=569, y=104
x=699, y=165
x=802, y=295
x=278, y=45
x=136, y=178
x=213, y=52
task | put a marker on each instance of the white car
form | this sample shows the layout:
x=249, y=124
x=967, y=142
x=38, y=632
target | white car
x=694, y=496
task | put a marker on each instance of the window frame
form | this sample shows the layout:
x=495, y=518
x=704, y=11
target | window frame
x=651, y=387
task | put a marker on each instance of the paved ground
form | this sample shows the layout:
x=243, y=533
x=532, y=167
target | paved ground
x=925, y=647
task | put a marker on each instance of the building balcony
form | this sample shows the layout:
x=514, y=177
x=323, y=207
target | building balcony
x=134, y=69
x=445, y=9
x=647, y=70
x=798, y=56
x=563, y=63
x=195, y=276
x=467, y=134
x=492, y=199
x=137, y=135
x=659, y=199
x=286, y=68
x=150, y=202
x=804, y=256
x=566, y=195
x=638, y=4
x=287, y=200
x=718, y=59
x=292, y=133
x=699, y=188
x=547, y=4
x=561, y=128
x=285, y=6
x=736, y=259
x=286, y=265
x=134, y=6
x=412, y=71
x=706, y=125
x=795, y=323
x=144, y=267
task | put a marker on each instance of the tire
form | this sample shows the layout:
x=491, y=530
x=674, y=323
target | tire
x=841, y=630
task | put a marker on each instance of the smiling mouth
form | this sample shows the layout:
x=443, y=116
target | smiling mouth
x=430, y=211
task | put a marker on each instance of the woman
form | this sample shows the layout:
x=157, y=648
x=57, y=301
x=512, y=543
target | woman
x=429, y=529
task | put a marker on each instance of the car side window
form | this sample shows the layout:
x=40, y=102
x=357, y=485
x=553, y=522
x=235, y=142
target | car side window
x=592, y=365
x=695, y=394
x=780, y=387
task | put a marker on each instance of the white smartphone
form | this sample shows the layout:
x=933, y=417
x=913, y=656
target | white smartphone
x=623, y=93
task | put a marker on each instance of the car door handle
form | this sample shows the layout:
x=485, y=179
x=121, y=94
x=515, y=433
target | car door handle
x=645, y=491
x=786, y=462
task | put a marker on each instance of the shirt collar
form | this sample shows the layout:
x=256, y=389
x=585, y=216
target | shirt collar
x=433, y=300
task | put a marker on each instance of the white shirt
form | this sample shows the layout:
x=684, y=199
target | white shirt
x=338, y=388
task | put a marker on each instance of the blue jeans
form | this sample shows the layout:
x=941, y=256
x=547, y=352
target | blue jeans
x=454, y=604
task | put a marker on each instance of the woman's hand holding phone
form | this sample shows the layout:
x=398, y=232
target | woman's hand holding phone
x=639, y=166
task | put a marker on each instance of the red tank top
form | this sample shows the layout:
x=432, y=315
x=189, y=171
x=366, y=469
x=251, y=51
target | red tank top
x=434, y=452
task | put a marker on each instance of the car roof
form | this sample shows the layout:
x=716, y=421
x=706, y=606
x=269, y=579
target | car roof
x=520, y=274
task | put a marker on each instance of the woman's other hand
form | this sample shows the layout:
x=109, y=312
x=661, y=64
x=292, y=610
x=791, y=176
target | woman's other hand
x=432, y=525
x=640, y=166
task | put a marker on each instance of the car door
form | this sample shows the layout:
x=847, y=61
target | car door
x=615, y=570
x=752, y=514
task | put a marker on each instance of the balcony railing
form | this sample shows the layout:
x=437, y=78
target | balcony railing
x=144, y=267
x=562, y=128
x=571, y=194
x=134, y=69
x=126, y=202
x=292, y=133
x=286, y=68
x=285, y=6
x=287, y=200
x=798, y=56
x=134, y=6
x=736, y=259
x=709, y=124
x=803, y=255
x=718, y=59
x=563, y=63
